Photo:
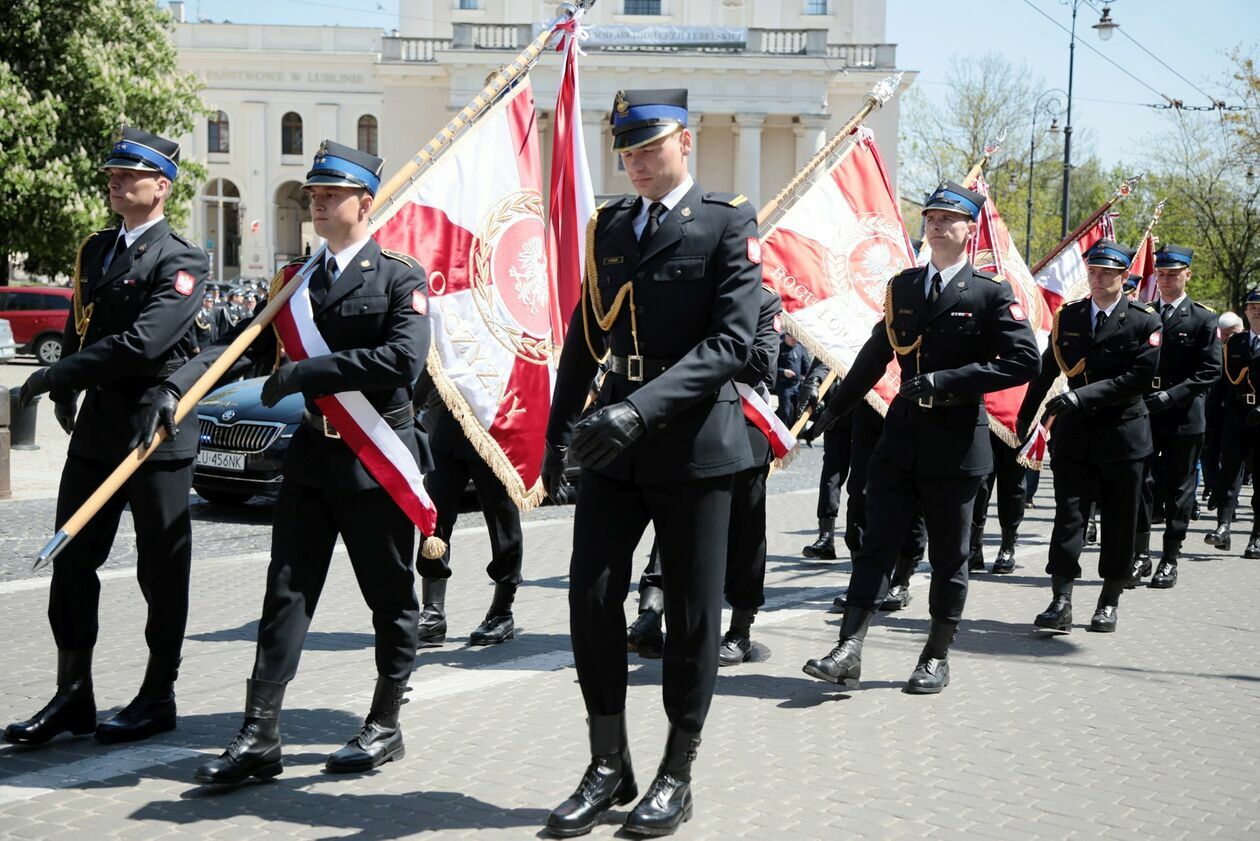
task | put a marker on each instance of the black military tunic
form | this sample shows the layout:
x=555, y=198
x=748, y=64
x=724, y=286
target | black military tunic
x=1097, y=453
x=379, y=340
x=1240, y=424
x=1189, y=365
x=690, y=312
x=135, y=320
x=973, y=339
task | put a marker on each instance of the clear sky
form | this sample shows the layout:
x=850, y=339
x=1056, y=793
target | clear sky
x=1192, y=38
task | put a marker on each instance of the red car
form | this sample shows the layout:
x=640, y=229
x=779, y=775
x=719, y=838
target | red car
x=37, y=315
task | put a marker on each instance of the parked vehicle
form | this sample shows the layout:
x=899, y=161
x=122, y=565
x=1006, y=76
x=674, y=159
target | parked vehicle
x=243, y=442
x=8, y=347
x=37, y=315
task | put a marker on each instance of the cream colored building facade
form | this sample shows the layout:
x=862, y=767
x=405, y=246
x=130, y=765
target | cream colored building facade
x=769, y=81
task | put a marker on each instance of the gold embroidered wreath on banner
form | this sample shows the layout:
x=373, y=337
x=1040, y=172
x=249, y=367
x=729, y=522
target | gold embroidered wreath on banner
x=534, y=283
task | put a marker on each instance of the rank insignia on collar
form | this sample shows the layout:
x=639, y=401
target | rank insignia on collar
x=685, y=212
x=363, y=264
x=141, y=247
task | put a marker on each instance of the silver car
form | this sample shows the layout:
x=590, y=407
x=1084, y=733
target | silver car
x=8, y=348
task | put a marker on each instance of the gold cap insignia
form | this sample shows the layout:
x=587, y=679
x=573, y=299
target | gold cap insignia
x=322, y=152
x=620, y=104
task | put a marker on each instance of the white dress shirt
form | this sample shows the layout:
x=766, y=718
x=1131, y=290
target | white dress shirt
x=671, y=199
x=947, y=275
x=129, y=237
x=345, y=256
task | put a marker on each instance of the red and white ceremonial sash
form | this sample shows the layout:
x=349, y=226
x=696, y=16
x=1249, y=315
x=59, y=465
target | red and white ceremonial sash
x=363, y=429
x=760, y=415
x=1033, y=453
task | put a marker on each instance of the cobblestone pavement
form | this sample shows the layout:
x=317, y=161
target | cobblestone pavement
x=1150, y=733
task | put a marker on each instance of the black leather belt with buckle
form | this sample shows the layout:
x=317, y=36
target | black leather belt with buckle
x=638, y=369
x=396, y=419
x=947, y=402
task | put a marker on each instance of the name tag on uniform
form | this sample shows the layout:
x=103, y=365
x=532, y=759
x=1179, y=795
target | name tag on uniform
x=962, y=314
x=1070, y=333
x=612, y=261
x=131, y=281
x=905, y=312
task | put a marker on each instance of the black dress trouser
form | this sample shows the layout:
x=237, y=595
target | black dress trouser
x=691, y=520
x=1007, y=482
x=1237, y=441
x=446, y=484
x=379, y=539
x=158, y=496
x=1169, y=479
x=893, y=496
x=1115, y=487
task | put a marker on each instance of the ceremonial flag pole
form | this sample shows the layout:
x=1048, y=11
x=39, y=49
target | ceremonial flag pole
x=382, y=207
x=1146, y=286
x=1125, y=188
x=973, y=175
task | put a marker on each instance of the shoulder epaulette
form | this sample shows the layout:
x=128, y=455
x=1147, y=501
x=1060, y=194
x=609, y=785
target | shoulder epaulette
x=185, y=240
x=1204, y=306
x=729, y=199
x=405, y=259
x=909, y=270
x=1143, y=307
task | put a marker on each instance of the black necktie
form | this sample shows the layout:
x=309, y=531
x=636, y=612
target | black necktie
x=655, y=211
x=935, y=291
x=332, y=270
x=1099, y=321
x=1168, y=310
x=120, y=248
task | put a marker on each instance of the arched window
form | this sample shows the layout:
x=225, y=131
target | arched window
x=368, y=135
x=218, y=126
x=291, y=134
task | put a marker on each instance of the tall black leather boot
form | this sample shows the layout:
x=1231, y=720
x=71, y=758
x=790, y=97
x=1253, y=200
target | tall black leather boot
x=667, y=803
x=843, y=664
x=1141, y=559
x=1165, y=578
x=499, y=625
x=824, y=548
x=1107, y=612
x=1219, y=537
x=432, y=627
x=932, y=673
x=152, y=711
x=607, y=782
x=1005, y=563
x=737, y=644
x=255, y=752
x=975, y=560
x=1057, y=618
x=380, y=740
x=644, y=634
x=72, y=709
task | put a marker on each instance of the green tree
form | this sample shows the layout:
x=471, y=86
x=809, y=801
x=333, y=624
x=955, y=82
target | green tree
x=72, y=72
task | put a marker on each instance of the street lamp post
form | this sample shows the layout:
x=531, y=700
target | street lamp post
x=1105, y=28
x=1050, y=103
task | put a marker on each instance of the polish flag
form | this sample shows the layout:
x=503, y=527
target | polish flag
x=830, y=257
x=1143, y=269
x=760, y=415
x=475, y=221
x=1061, y=273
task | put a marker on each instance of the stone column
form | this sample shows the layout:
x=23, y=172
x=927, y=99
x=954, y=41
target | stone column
x=811, y=134
x=593, y=136
x=747, y=174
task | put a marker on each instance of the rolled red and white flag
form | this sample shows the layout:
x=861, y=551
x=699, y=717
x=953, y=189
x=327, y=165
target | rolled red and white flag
x=760, y=415
x=358, y=422
x=1033, y=453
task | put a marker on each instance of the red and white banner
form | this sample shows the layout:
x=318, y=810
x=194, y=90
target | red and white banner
x=572, y=197
x=760, y=415
x=831, y=255
x=1143, y=269
x=1033, y=454
x=993, y=249
x=356, y=420
x=475, y=221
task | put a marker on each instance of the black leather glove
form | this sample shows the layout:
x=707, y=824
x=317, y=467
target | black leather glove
x=1253, y=418
x=159, y=412
x=553, y=474
x=602, y=436
x=64, y=413
x=1066, y=403
x=280, y=384
x=918, y=386
x=35, y=385
x=1158, y=402
x=822, y=421
x=807, y=398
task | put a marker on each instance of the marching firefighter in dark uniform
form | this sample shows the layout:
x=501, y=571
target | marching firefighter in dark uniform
x=205, y=330
x=957, y=333
x=671, y=293
x=370, y=308
x=137, y=289
x=455, y=461
x=836, y=464
x=1189, y=365
x=1240, y=428
x=1107, y=346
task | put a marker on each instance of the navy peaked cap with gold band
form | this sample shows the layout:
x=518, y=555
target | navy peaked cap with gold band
x=1111, y=255
x=1173, y=257
x=956, y=198
x=640, y=117
x=337, y=165
x=138, y=149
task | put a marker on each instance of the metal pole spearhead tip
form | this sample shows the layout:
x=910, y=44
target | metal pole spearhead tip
x=885, y=90
x=50, y=551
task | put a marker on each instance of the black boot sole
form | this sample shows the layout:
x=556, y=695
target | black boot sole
x=819, y=556
x=491, y=640
x=845, y=682
x=1102, y=629
x=1055, y=630
x=111, y=737
x=262, y=772
x=1160, y=585
x=360, y=767
x=924, y=690
x=1003, y=570
x=658, y=831
x=621, y=799
x=31, y=743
